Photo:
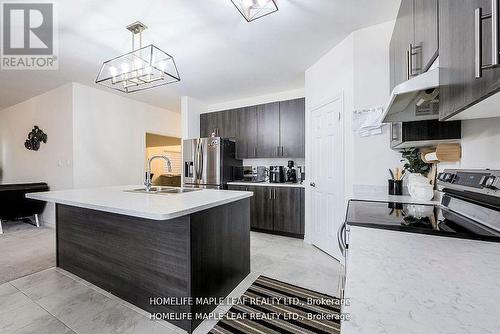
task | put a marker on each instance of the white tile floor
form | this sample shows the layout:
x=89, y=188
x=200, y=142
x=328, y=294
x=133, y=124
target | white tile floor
x=25, y=249
x=295, y=262
x=54, y=301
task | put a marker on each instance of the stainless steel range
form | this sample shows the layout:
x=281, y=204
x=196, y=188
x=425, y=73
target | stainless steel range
x=469, y=209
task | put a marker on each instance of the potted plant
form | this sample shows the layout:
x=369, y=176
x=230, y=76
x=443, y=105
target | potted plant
x=413, y=162
x=417, y=170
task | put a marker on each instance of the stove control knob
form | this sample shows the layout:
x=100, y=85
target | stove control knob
x=448, y=177
x=489, y=182
x=441, y=176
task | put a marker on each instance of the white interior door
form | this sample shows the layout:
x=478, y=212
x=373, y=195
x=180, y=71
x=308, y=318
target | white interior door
x=326, y=137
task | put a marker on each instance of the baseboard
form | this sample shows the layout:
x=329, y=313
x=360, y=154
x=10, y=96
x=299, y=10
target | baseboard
x=283, y=234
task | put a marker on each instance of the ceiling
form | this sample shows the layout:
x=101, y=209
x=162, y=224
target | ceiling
x=220, y=56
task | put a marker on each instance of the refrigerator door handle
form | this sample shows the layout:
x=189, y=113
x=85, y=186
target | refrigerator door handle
x=195, y=160
x=200, y=162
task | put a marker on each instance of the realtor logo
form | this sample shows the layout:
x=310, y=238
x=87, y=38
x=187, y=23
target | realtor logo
x=28, y=36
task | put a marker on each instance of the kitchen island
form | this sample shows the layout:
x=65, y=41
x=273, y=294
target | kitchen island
x=159, y=251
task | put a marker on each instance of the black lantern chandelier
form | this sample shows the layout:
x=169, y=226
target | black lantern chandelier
x=255, y=9
x=143, y=68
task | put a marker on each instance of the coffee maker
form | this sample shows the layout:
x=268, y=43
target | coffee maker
x=291, y=173
x=277, y=174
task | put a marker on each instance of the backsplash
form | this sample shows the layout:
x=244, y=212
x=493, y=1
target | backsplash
x=480, y=140
x=273, y=162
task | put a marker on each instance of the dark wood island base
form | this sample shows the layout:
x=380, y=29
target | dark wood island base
x=202, y=255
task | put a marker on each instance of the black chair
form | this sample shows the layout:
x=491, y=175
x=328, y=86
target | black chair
x=14, y=204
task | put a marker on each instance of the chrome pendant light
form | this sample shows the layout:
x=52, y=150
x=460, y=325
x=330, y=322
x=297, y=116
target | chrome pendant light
x=255, y=9
x=143, y=68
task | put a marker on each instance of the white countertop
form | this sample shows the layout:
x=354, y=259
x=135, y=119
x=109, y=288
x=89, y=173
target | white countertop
x=414, y=283
x=266, y=184
x=149, y=206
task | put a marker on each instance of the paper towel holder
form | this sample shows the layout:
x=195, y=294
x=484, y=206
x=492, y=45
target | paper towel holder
x=442, y=153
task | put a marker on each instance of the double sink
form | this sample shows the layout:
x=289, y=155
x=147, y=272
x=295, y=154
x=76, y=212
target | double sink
x=163, y=190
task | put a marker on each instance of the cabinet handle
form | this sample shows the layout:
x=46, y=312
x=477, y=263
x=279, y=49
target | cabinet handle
x=478, y=32
x=408, y=64
x=282, y=151
x=410, y=54
x=254, y=152
x=494, y=33
x=479, y=17
x=312, y=184
x=274, y=193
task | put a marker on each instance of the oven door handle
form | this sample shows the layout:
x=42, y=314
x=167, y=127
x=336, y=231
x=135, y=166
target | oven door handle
x=341, y=238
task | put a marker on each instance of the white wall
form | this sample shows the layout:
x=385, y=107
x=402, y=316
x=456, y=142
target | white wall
x=53, y=162
x=95, y=139
x=358, y=69
x=109, y=136
x=191, y=109
x=372, y=89
x=480, y=142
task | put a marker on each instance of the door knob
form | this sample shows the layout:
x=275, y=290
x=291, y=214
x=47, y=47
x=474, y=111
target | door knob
x=312, y=184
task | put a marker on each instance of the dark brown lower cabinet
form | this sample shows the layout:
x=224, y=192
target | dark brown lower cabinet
x=287, y=210
x=276, y=210
x=261, y=211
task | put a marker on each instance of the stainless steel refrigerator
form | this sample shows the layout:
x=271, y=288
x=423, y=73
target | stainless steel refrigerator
x=209, y=162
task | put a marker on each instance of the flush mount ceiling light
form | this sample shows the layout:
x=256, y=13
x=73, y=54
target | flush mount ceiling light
x=255, y=9
x=143, y=68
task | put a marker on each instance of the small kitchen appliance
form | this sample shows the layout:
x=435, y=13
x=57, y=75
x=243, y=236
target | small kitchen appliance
x=291, y=173
x=277, y=174
x=254, y=173
x=302, y=174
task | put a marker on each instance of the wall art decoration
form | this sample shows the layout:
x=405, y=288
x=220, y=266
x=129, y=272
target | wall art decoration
x=35, y=137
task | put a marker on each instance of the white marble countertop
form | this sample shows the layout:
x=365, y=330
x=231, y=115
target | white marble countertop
x=149, y=206
x=414, y=283
x=266, y=184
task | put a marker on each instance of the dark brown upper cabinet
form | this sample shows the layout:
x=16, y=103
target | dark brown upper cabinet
x=460, y=86
x=415, y=40
x=402, y=37
x=208, y=124
x=426, y=42
x=271, y=130
x=246, y=140
x=292, y=128
x=222, y=124
x=268, y=130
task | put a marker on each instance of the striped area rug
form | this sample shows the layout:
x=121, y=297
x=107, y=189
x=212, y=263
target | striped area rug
x=271, y=306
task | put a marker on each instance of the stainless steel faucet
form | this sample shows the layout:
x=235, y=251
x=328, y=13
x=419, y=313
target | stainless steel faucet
x=148, y=180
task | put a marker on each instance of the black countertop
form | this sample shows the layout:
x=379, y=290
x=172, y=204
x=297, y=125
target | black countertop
x=414, y=218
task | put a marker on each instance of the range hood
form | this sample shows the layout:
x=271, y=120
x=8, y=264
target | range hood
x=415, y=99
